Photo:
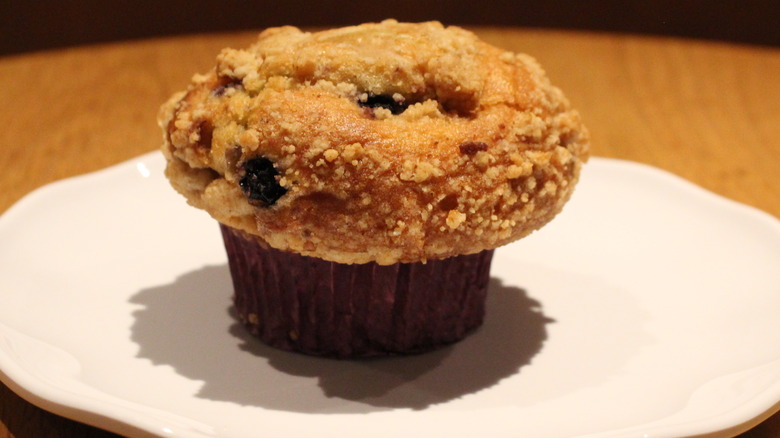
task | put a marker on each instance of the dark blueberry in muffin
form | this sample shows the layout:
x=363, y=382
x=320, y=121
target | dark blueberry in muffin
x=384, y=101
x=225, y=82
x=259, y=182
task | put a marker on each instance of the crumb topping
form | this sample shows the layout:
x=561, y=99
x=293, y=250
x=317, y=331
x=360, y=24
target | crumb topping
x=387, y=142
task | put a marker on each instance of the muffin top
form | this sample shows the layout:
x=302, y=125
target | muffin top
x=385, y=142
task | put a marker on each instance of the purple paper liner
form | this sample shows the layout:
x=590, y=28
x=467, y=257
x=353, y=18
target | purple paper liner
x=323, y=308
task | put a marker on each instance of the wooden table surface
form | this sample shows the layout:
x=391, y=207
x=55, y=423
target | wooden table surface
x=709, y=112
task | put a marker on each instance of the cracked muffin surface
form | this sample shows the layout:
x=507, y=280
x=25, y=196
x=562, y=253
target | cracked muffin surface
x=384, y=142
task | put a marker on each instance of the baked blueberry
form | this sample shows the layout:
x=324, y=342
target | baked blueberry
x=383, y=101
x=259, y=182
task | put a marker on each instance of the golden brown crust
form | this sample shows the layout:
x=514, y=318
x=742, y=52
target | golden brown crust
x=480, y=149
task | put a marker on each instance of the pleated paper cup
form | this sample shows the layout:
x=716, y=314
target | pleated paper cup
x=322, y=308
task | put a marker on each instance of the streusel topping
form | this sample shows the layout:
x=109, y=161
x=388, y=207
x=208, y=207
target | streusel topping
x=387, y=142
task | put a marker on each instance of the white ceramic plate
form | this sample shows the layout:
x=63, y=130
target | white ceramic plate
x=649, y=307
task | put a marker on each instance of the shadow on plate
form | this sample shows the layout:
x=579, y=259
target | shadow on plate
x=187, y=324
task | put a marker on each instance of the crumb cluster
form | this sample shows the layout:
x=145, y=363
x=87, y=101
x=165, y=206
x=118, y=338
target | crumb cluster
x=390, y=142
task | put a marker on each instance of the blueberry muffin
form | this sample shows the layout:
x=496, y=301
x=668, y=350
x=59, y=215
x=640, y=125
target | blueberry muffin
x=362, y=177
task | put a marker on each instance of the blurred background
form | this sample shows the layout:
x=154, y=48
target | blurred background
x=31, y=25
